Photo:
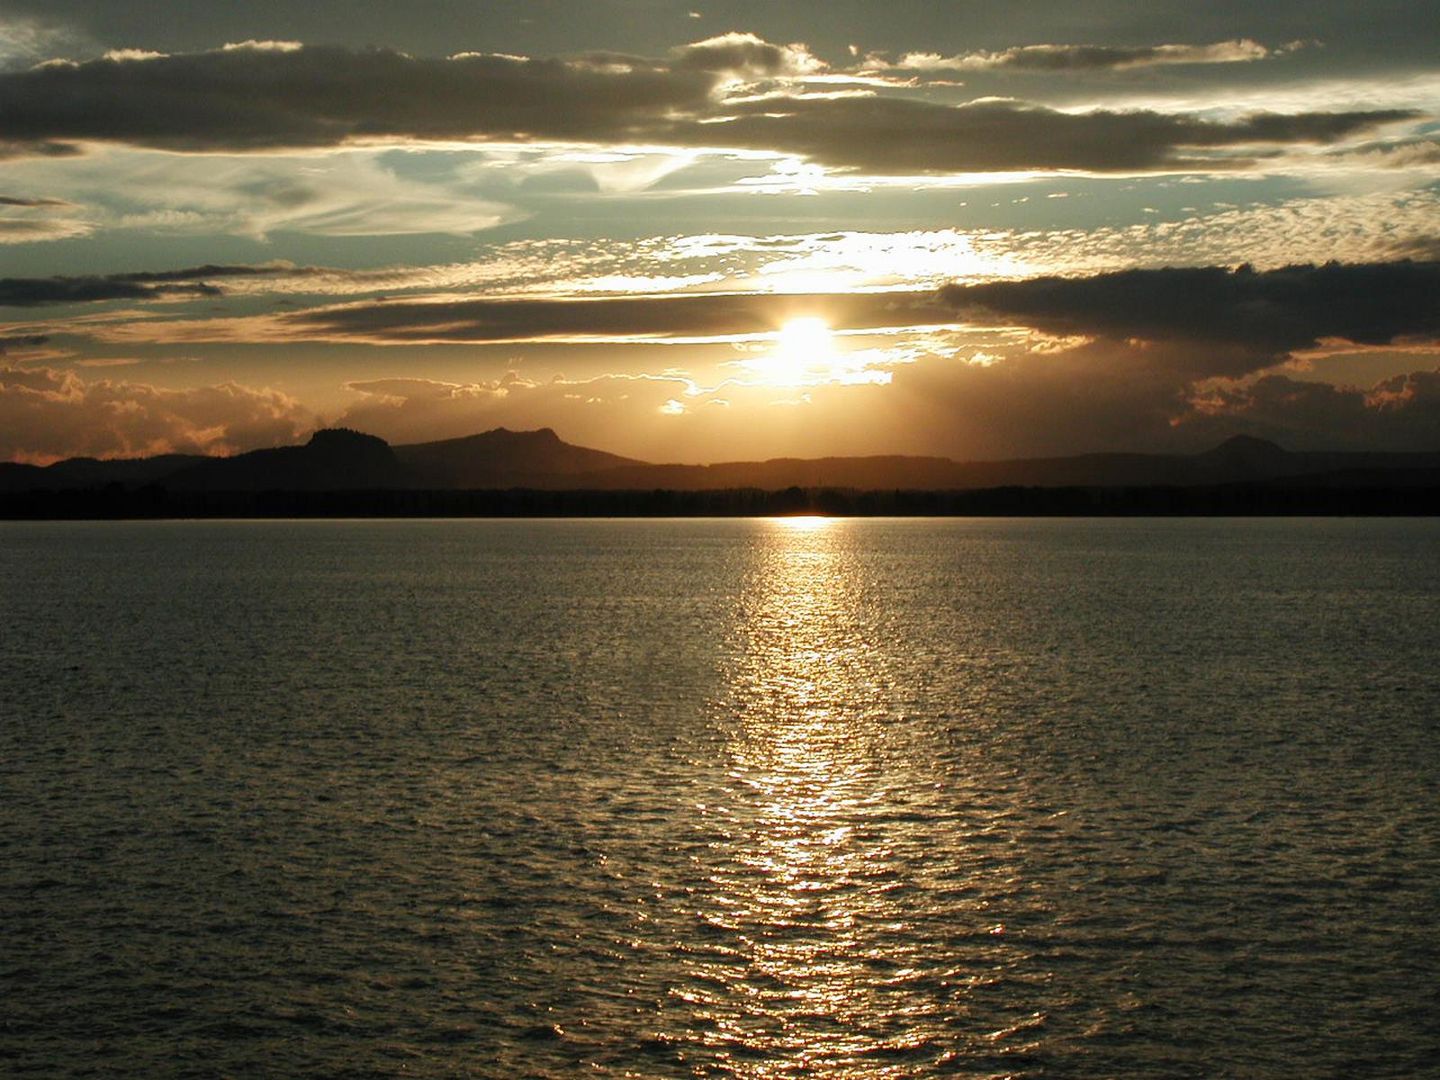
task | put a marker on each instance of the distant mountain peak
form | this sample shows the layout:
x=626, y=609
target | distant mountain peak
x=506, y=436
x=326, y=438
x=502, y=457
x=1251, y=442
x=1247, y=448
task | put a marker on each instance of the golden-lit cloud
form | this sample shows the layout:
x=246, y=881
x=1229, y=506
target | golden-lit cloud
x=1086, y=58
x=46, y=414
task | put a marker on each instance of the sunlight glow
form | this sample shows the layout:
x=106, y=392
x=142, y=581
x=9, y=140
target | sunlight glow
x=804, y=353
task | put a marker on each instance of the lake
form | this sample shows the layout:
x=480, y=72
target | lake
x=747, y=797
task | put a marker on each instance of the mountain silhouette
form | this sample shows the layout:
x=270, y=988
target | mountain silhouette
x=505, y=458
x=340, y=459
x=335, y=459
x=1245, y=455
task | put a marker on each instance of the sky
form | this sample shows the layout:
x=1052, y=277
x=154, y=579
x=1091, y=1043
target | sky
x=705, y=232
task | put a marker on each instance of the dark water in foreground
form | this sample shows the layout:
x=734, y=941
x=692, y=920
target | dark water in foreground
x=720, y=798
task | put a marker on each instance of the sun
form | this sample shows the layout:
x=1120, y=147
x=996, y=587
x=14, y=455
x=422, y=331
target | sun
x=807, y=336
x=804, y=352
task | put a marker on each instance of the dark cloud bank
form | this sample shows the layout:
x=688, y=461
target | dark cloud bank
x=263, y=97
x=138, y=285
x=1264, y=313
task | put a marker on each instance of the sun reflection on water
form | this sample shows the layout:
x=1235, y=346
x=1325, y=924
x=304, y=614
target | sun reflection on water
x=802, y=522
x=809, y=907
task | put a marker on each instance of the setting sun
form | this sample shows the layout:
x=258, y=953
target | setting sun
x=804, y=352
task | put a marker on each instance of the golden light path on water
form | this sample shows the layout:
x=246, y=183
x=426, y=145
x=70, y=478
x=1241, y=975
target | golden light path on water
x=811, y=891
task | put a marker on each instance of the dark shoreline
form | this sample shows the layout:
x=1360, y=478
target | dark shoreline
x=1228, y=500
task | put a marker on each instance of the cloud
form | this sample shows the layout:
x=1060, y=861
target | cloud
x=26, y=219
x=1398, y=413
x=685, y=317
x=21, y=341
x=17, y=148
x=1209, y=320
x=27, y=40
x=1408, y=153
x=745, y=54
x=47, y=414
x=1107, y=395
x=209, y=271
x=32, y=230
x=907, y=136
x=1061, y=58
x=31, y=292
x=346, y=193
x=1241, y=319
x=253, y=45
x=15, y=200
x=1242, y=316
x=1092, y=396
x=1418, y=247
x=254, y=98
x=1372, y=227
x=145, y=284
x=260, y=98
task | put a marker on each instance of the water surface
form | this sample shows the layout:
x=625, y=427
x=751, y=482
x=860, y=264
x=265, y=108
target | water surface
x=853, y=798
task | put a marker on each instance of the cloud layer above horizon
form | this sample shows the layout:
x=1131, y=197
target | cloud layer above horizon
x=1010, y=246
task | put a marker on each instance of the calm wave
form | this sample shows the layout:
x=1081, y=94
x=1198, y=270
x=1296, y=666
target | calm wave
x=720, y=798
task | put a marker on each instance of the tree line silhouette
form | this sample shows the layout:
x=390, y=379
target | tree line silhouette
x=115, y=501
